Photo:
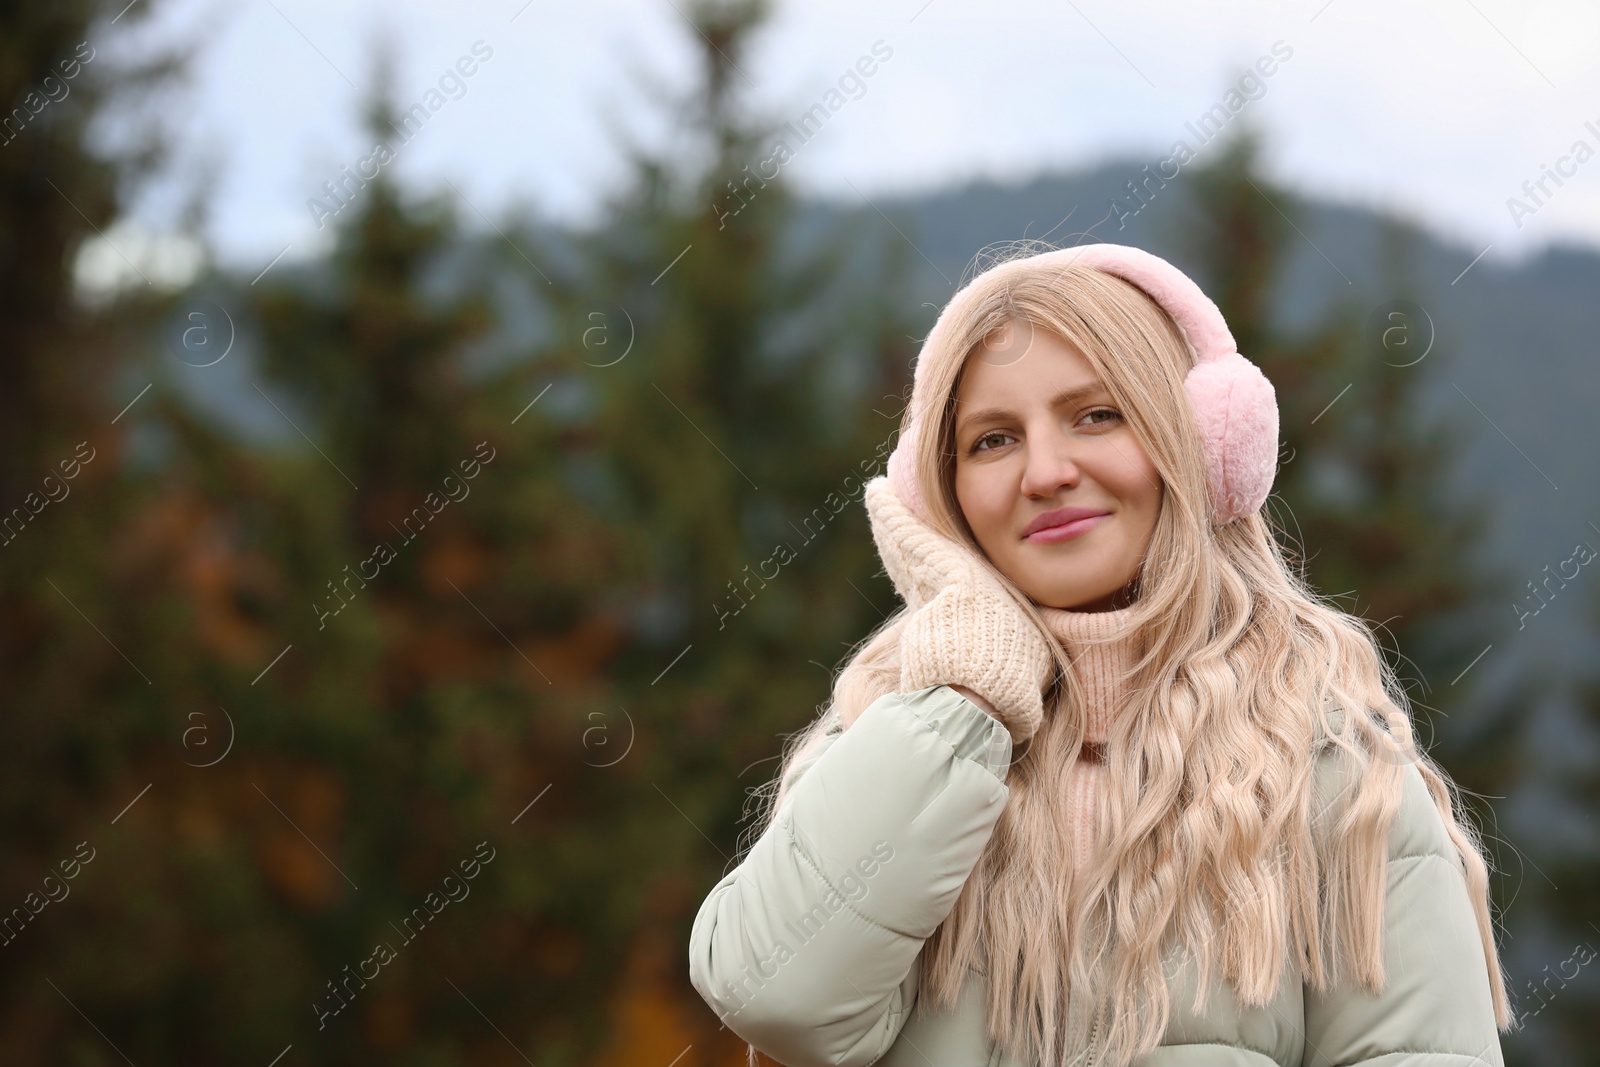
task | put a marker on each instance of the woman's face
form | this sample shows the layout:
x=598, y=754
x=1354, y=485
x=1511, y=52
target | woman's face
x=1037, y=433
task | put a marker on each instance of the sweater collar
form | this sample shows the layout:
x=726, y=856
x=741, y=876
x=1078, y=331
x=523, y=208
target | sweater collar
x=1102, y=661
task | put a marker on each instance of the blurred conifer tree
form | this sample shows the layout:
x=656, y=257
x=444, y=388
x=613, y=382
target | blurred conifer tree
x=713, y=386
x=584, y=655
x=90, y=707
x=1559, y=999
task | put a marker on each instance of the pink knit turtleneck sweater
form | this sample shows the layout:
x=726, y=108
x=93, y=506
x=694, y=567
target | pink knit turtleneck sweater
x=1103, y=668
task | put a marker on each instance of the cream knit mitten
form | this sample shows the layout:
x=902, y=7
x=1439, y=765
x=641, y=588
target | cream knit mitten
x=965, y=629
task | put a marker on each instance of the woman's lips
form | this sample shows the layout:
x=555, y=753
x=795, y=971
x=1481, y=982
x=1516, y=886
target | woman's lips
x=1066, y=531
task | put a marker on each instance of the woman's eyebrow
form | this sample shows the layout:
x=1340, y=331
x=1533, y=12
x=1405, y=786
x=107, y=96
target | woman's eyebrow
x=1066, y=396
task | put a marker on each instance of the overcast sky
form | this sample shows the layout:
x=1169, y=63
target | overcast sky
x=1436, y=110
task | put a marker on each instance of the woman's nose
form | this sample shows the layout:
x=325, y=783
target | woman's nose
x=1050, y=465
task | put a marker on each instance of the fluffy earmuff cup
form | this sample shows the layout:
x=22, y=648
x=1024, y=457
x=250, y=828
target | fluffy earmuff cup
x=1236, y=411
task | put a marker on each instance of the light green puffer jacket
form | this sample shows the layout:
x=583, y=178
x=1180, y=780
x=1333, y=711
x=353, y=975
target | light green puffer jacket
x=807, y=949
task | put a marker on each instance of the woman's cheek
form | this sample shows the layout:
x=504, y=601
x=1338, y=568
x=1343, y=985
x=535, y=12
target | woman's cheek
x=993, y=506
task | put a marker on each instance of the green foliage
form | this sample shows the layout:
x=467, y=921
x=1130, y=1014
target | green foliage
x=492, y=608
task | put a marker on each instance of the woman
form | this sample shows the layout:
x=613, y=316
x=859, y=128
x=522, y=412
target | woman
x=1092, y=796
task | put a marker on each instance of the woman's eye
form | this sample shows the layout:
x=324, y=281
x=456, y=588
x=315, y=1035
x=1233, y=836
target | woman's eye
x=977, y=446
x=1113, y=412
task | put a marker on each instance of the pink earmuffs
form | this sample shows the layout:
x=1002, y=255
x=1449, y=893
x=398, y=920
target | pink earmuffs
x=1234, y=403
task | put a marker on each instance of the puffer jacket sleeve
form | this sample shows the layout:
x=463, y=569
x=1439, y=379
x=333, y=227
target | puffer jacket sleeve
x=1436, y=1009
x=807, y=949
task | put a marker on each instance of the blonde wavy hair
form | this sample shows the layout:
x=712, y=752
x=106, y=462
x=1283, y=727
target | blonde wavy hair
x=1207, y=826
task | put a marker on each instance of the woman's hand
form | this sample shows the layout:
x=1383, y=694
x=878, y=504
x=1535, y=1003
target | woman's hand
x=966, y=631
